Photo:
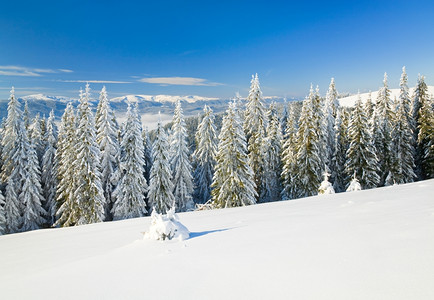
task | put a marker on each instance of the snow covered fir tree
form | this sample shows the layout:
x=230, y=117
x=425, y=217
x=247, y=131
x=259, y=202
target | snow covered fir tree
x=205, y=156
x=88, y=193
x=65, y=157
x=382, y=136
x=160, y=194
x=180, y=163
x=272, y=159
x=83, y=169
x=233, y=182
x=132, y=187
x=255, y=126
x=106, y=137
x=402, y=166
x=309, y=148
x=361, y=158
x=49, y=171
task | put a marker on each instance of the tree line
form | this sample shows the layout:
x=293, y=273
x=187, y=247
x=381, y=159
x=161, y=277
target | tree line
x=93, y=169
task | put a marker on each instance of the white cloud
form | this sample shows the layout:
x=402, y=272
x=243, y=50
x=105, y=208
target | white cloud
x=179, y=81
x=66, y=70
x=25, y=71
x=17, y=71
x=44, y=71
x=25, y=88
x=94, y=81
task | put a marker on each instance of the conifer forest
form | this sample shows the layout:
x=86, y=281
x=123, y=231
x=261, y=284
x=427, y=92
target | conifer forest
x=87, y=167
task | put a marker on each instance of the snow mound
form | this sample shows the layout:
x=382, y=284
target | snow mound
x=166, y=227
x=354, y=186
x=326, y=187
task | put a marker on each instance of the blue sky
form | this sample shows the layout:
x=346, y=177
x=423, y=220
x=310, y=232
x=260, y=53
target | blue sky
x=211, y=48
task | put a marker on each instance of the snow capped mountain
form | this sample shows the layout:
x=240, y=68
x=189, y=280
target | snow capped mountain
x=152, y=104
x=373, y=244
x=161, y=98
x=126, y=98
x=394, y=93
x=147, y=104
x=43, y=97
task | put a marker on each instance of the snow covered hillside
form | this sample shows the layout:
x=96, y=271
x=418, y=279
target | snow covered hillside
x=374, y=244
x=350, y=101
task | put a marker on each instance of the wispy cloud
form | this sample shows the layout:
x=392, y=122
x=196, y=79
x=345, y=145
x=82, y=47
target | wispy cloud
x=29, y=72
x=94, y=81
x=179, y=81
x=25, y=88
x=17, y=71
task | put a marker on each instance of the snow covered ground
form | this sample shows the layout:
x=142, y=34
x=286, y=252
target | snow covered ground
x=375, y=244
x=394, y=93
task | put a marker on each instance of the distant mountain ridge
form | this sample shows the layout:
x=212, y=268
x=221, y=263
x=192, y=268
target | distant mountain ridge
x=152, y=104
x=147, y=104
x=161, y=98
x=43, y=97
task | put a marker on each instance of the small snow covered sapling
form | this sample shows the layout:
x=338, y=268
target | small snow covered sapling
x=326, y=187
x=354, y=185
x=166, y=227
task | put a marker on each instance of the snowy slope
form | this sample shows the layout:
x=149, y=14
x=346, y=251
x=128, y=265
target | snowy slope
x=375, y=244
x=351, y=100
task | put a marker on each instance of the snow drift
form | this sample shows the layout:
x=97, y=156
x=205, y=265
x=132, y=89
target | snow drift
x=166, y=227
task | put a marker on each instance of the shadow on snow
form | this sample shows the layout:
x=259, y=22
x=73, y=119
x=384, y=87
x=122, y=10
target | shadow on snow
x=202, y=233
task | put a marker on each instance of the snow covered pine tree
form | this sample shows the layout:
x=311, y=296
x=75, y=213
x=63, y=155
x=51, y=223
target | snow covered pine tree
x=205, y=156
x=161, y=186
x=181, y=167
x=361, y=158
x=255, y=126
x=233, y=183
x=132, y=186
x=106, y=137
